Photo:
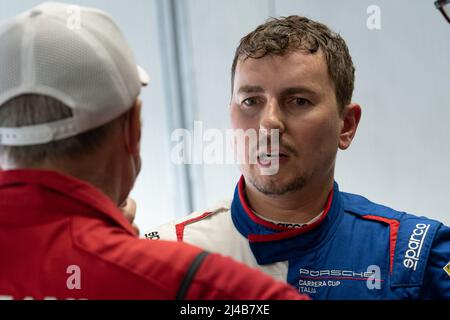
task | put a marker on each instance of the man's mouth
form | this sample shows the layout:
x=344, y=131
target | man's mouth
x=266, y=159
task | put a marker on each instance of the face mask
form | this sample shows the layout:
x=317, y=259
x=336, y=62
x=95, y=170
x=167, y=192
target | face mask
x=135, y=168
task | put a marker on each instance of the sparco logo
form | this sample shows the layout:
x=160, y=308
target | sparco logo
x=412, y=255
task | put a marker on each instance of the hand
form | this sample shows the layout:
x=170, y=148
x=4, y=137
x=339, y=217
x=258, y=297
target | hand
x=128, y=209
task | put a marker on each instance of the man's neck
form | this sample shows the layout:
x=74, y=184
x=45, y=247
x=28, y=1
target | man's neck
x=101, y=175
x=298, y=206
x=103, y=178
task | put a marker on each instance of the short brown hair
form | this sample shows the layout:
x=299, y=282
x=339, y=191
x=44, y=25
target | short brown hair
x=288, y=34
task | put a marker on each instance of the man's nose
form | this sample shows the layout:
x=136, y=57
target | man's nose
x=273, y=117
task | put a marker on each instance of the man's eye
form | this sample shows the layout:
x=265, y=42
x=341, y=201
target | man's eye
x=301, y=102
x=250, y=102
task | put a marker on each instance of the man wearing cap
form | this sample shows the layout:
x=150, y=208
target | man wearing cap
x=295, y=76
x=69, y=148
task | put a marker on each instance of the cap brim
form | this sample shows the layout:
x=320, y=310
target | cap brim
x=143, y=76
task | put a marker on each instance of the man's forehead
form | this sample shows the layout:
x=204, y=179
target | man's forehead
x=296, y=68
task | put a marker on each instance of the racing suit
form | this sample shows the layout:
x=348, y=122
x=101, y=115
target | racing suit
x=62, y=238
x=356, y=249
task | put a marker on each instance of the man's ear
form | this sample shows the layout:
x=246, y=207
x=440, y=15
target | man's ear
x=351, y=115
x=132, y=129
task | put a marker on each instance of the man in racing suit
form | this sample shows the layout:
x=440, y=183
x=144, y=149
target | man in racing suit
x=296, y=76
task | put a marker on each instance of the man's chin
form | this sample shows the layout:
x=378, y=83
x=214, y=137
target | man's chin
x=277, y=185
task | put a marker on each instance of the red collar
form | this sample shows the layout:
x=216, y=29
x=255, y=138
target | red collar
x=284, y=232
x=68, y=187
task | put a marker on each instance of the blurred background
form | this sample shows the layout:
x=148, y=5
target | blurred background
x=401, y=154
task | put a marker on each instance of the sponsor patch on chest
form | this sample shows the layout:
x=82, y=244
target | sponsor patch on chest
x=314, y=281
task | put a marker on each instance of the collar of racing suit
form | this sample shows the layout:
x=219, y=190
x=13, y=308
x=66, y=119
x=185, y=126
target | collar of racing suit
x=40, y=195
x=271, y=243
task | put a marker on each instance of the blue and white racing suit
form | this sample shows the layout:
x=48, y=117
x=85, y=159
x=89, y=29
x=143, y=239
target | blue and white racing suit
x=356, y=250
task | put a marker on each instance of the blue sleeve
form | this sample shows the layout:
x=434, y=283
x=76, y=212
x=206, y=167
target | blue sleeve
x=436, y=281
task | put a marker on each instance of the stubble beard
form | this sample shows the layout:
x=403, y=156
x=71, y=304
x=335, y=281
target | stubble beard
x=272, y=188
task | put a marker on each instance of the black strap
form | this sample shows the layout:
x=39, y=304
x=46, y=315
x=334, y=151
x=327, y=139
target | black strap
x=186, y=283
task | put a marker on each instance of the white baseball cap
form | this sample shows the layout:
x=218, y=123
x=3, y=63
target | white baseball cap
x=73, y=54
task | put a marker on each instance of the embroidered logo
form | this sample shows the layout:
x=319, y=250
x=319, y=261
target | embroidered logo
x=447, y=269
x=153, y=235
x=412, y=255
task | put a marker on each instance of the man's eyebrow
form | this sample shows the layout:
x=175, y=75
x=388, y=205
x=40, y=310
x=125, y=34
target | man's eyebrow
x=250, y=89
x=297, y=90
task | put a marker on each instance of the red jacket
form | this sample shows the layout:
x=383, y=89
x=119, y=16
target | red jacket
x=62, y=238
